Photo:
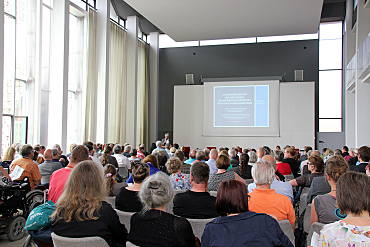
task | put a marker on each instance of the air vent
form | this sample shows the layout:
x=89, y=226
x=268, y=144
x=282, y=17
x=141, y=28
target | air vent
x=189, y=78
x=298, y=75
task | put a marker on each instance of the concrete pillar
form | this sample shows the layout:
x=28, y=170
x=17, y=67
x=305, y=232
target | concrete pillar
x=153, y=87
x=1, y=64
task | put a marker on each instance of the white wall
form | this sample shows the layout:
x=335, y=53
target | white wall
x=297, y=119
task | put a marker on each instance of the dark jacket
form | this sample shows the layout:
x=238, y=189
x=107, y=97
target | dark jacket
x=245, y=229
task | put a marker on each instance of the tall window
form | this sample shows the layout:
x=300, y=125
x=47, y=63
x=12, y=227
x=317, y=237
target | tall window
x=330, y=77
x=14, y=81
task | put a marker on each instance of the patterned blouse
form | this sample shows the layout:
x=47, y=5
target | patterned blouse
x=340, y=233
x=180, y=181
x=4, y=181
x=215, y=179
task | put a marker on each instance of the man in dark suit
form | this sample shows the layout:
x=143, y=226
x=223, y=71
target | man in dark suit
x=364, y=158
x=166, y=139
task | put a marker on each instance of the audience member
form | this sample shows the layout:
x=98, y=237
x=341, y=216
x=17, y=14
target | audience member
x=328, y=154
x=59, y=177
x=127, y=198
x=263, y=199
x=172, y=152
x=345, y=151
x=156, y=227
x=260, y=153
x=222, y=163
x=353, y=160
x=304, y=164
x=350, y=155
x=31, y=169
x=196, y=203
x=252, y=158
x=141, y=152
x=91, y=154
x=122, y=160
x=179, y=181
x=162, y=160
x=304, y=156
x=212, y=161
x=316, y=166
x=107, y=157
x=364, y=158
x=324, y=206
x=354, y=229
x=199, y=156
x=8, y=157
x=283, y=168
x=160, y=148
x=48, y=167
x=244, y=170
x=126, y=151
x=289, y=158
x=191, y=157
x=133, y=157
x=233, y=158
x=82, y=211
x=110, y=174
x=238, y=225
x=185, y=168
x=152, y=162
x=62, y=158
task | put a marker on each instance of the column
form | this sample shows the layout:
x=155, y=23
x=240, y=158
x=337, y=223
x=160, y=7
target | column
x=153, y=87
x=1, y=64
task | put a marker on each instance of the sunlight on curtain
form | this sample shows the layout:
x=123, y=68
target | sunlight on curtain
x=117, y=84
x=91, y=87
x=143, y=94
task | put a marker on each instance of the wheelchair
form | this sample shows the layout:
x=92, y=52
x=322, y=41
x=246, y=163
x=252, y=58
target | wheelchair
x=16, y=202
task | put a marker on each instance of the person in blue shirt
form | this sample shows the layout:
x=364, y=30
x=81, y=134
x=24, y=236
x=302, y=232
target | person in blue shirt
x=152, y=162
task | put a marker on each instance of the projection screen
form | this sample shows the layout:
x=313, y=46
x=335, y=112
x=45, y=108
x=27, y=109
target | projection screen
x=241, y=108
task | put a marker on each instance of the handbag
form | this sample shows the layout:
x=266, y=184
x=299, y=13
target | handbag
x=39, y=218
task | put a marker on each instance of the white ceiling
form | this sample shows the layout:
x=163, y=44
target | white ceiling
x=186, y=20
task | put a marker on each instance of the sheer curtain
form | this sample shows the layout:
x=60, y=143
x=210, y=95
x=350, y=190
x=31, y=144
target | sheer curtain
x=143, y=94
x=91, y=87
x=117, y=84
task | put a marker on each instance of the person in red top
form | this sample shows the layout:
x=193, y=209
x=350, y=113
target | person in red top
x=283, y=168
x=59, y=177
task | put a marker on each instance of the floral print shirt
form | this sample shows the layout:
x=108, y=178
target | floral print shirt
x=340, y=233
x=180, y=181
x=4, y=181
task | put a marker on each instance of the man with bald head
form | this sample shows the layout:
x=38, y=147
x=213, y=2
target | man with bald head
x=48, y=167
x=212, y=161
x=280, y=187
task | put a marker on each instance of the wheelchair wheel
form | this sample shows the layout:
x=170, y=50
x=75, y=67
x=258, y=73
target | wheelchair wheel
x=34, y=198
x=16, y=228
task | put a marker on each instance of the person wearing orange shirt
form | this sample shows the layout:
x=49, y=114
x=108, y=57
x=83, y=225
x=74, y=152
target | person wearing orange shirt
x=263, y=199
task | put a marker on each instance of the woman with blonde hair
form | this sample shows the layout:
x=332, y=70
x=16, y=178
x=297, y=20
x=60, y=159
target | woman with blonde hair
x=82, y=210
x=8, y=157
x=179, y=181
x=110, y=174
x=107, y=157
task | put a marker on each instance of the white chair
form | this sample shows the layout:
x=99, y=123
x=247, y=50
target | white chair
x=302, y=203
x=286, y=227
x=169, y=207
x=129, y=244
x=213, y=193
x=59, y=241
x=112, y=201
x=315, y=227
x=249, y=181
x=198, y=226
x=123, y=171
x=289, y=177
x=124, y=218
x=45, y=179
x=307, y=219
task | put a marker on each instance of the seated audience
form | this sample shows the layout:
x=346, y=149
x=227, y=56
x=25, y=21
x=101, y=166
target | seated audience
x=364, y=158
x=178, y=180
x=107, y=157
x=238, y=225
x=81, y=210
x=200, y=156
x=244, y=170
x=324, y=206
x=172, y=152
x=133, y=157
x=127, y=198
x=263, y=199
x=280, y=187
x=289, y=154
x=185, y=168
x=350, y=154
x=304, y=164
x=354, y=229
x=282, y=168
x=316, y=166
x=8, y=157
x=252, y=158
x=156, y=227
x=196, y=203
x=5, y=179
x=192, y=154
x=212, y=161
x=222, y=163
x=305, y=156
x=152, y=162
x=122, y=160
x=59, y=177
x=345, y=151
x=162, y=160
x=233, y=158
x=110, y=174
x=31, y=169
x=160, y=148
x=328, y=154
x=48, y=167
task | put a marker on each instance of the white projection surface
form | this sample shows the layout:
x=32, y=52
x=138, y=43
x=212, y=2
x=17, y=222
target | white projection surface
x=241, y=108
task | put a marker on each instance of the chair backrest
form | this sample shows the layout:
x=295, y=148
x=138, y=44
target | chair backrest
x=45, y=179
x=198, y=226
x=305, y=190
x=169, y=207
x=112, y=201
x=59, y=241
x=315, y=227
x=123, y=172
x=289, y=177
x=249, y=181
x=129, y=244
x=213, y=193
x=286, y=227
x=307, y=219
x=124, y=218
x=302, y=203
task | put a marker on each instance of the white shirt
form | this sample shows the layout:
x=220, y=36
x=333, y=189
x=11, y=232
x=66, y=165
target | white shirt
x=96, y=160
x=122, y=161
x=284, y=188
x=212, y=166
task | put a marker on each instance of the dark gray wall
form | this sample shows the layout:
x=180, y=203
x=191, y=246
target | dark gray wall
x=241, y=60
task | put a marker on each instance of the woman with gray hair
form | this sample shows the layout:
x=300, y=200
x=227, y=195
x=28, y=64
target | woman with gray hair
x=156, y=227
x=252, y=158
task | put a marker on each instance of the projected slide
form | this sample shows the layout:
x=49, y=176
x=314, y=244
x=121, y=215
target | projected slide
x=241, y=106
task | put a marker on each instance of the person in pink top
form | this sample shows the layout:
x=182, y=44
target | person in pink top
x=283, y=168
x=59, y=177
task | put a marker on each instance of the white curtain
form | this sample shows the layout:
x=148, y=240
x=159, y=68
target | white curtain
x=117, y=84
x=91, y=87
x=143, y=94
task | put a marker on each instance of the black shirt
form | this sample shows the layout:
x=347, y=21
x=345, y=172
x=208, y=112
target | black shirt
x=158, y=228
x=107, y=227
x=359, y=168
x=247, y=173
x=194, y=205
x=128, y=201
x=294, y=166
